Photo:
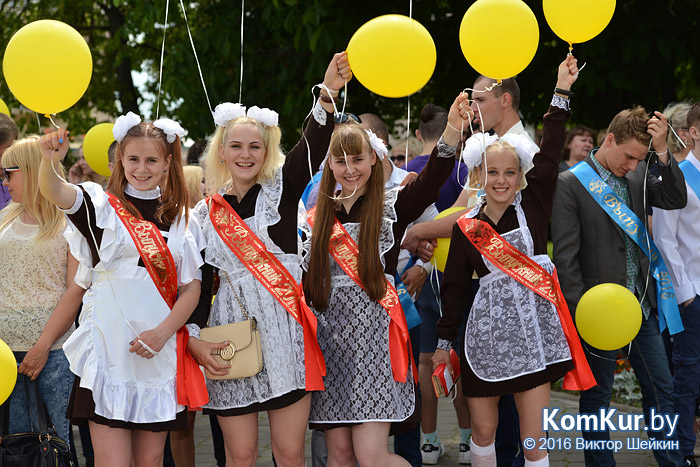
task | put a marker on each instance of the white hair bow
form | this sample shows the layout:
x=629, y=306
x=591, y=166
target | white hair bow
x=171, y=128
x=265, y=116
x=377, y=144
x=476, y=146
x=227, y=111
x=123, y=124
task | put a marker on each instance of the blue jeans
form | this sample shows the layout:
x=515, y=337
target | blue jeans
x=648, y=359
x=55, y=382
x=686, y=374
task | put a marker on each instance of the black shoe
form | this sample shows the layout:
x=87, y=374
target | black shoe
x=689, y=461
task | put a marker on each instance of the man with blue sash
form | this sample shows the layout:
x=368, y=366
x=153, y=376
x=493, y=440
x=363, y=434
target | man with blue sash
x=677, y=234
x=599, y=237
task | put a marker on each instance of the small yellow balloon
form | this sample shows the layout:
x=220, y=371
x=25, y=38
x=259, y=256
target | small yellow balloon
x=95, y=146
x=3, y=108
x=8, y=371
x=499, y=37
x=47, y=66
x=608, y=316
x=591, y=17
x=392, y=55
x=443, y=244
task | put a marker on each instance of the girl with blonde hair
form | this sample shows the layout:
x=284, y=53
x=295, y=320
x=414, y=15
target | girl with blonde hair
x=254, y=206
x=38, y=297
x=131, y=368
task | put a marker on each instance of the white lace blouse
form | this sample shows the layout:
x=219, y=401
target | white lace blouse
x=32, y=281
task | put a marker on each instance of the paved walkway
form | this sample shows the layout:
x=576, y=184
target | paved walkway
x=559, y=456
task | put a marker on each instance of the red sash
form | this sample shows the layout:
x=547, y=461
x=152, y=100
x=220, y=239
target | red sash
x=159, y=262
x=523, y=269
x=268, y=270
x=346, y=253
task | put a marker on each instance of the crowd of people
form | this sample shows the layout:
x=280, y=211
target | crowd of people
x=111, y=287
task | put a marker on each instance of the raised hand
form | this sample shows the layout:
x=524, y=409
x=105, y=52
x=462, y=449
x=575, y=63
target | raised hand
x=458, y=119
x=54, y=146
x=338, y=72
x=657, y=127
x=568, y=73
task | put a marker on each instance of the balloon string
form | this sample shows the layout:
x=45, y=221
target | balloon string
x=162, y=57
x=408, y=130
x=240, y=80
x=676, y=135
x=196, y=59
x=52, y=122
x=38, y=122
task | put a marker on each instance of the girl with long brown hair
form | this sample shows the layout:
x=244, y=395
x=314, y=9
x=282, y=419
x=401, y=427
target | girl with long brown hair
x=141, y=290
x=361, y=329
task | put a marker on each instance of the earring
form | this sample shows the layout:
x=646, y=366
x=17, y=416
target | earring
x=221, y=161
x=164, y=171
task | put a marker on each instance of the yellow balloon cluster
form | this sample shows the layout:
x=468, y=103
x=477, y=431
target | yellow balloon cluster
x=499, y=37
x=392, y=55
x=591, y=17
x=608, y=316
x=95, y=146
x=8, y=371
x=37, y=83
x=443, y=244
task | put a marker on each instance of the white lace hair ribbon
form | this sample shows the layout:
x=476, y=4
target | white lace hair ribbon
x=171, y=128
x=476, y=145
x=265, y=116
x=123, y=124
x=227, y=111
x=377, y=144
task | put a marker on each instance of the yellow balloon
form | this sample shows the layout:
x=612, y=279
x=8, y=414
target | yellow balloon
x=392, y=55
x=443, y=244
x=47, y=66
x=591, y=17
x=95, y=146
x=608, y=316
x=499, y=37
x=8, y=371
x=3, y=108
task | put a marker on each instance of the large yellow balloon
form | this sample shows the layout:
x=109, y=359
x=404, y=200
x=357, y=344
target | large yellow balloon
x=443, y=244
x=577, y=21
x=95, y=146
x=392, y=55
x=499, y=37
x=3, y=108
x=8, y=371
x=47, y=66
x=608, y=316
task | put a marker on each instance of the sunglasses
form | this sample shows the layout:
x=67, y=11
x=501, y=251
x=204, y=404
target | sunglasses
x=400, y=157
x=342, y=118
x=6, y=172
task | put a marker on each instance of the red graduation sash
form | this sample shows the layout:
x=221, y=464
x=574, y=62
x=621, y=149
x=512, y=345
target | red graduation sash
x=346, y=253
x=159, y=262
x=523, y=269
x=268, y=270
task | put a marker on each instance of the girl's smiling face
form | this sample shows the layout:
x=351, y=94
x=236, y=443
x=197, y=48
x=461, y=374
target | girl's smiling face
x=500, y=176
x=243, y=152
x=352, y=172
x=144, y=163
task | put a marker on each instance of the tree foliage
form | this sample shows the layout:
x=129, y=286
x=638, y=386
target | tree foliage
x=647, y=55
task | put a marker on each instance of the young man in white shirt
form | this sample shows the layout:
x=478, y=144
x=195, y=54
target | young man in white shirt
x=677, y=235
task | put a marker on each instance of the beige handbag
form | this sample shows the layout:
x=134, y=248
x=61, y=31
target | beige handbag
x=243, y=351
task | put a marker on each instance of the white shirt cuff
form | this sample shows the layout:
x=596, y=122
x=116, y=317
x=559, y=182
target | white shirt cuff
x=193, y=330
x=78, y=201
x=684, y=292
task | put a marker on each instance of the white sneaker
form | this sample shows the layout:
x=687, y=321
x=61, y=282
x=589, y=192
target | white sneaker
x=431, y=453
x=465, y=455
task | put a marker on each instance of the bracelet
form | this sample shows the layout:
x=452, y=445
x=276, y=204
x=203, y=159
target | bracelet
x=564, y=92
x=455, y=129
x=327, y=99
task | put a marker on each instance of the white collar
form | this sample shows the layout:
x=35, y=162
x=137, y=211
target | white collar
x=396, y=177
x=148, y=194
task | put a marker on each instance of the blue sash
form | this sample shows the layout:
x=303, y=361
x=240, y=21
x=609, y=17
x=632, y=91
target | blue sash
x=409, y=308
x=628, y=221
x=692, y=176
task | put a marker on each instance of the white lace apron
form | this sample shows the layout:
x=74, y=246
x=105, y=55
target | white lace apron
x=281, y=337
x=353, y=334
x=511, y=330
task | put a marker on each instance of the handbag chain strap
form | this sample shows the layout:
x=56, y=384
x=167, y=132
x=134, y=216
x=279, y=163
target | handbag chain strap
x=228, y=279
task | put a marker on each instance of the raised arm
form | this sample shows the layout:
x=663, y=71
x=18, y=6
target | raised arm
x=317, y=135
x=54, y=147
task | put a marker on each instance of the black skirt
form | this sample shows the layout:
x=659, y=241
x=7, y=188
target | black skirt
x=280, y=402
